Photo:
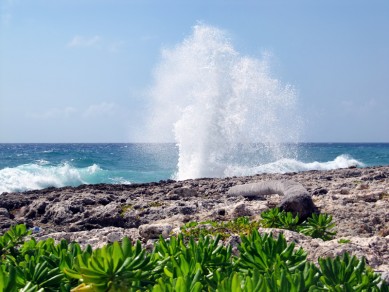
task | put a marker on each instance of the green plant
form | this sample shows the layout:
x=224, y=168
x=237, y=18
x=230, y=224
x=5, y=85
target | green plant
x=348, y=274
x=155, y=204
x=344, y=241
x=7, y=278
x=271, y=218
x=188, y=283
x=201, y=258
x=241, y=225
x=114, y=267
x=288, y=221
x=10, y=241
x=268, y=255
x=177, y=264
x=318, y=226
x=242, y=283
x=275, y=218
x=37, y=273
x=125, y=208
x=285, y=281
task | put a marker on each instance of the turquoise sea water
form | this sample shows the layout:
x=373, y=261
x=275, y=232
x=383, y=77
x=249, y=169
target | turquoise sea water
x=36, y=166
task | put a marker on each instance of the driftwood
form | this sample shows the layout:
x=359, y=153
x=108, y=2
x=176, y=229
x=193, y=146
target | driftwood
x=296, y=198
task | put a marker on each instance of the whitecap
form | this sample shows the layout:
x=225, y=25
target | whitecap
x=286, y=165
x=40, y=175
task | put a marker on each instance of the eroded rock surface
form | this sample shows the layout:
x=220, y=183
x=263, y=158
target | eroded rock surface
x=358, y=200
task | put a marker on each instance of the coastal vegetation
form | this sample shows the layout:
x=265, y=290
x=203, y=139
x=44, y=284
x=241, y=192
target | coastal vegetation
x=317, y=226
x=185, y=262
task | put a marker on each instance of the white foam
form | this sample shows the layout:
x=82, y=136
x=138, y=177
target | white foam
x=42, y=162
x=38, y=176
x=292, y=165
x=210, y=98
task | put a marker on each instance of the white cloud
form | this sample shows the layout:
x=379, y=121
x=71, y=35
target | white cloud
x=101, y=109
x=6, y=18
x=353, y=107
x=6, y=9
x=82, y=41
x=115, y=47
x=55, y=113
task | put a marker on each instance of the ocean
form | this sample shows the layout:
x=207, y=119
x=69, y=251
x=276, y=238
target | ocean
x=213, y=102
x=36, y=166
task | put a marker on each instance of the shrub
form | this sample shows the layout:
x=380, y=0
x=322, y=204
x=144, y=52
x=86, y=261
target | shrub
x=318, y=226
x=176, y=264
x=241, y=225
x=268, y=255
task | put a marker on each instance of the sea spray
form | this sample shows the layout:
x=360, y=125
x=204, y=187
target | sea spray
x=36, y=176
x=214, y=102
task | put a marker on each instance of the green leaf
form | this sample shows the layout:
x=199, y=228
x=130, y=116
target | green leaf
x=235, y=283
x=168, y=272
x=71, y=273
x=117, y=255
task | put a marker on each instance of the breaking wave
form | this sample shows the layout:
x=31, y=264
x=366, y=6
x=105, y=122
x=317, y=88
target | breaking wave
x=292, y=165
x=40, y=175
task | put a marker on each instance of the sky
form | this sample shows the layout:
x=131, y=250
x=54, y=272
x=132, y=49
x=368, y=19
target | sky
x=80, y=70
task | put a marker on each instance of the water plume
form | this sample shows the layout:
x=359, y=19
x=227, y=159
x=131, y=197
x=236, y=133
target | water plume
x=221, y=108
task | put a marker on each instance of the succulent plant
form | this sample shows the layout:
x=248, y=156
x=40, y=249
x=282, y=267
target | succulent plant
x=180, y=263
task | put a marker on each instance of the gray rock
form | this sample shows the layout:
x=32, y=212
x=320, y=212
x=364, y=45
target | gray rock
x=183, y=192
x=344, y=191
x=5, y=219
x=241, y=210
x=187, y=210
x=153, y=231
x=4, y=213
x=301, y=204
x=296, y=198
x=58, y=213
x=108, y=215
x=385, y=275
x=320, y=191
x=362, y=213
x=95, y=237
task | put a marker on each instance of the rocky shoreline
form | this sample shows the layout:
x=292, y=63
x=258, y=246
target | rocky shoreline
x=357, y=198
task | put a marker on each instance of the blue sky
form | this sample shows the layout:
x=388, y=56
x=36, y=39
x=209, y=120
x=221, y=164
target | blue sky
x=80, y=70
